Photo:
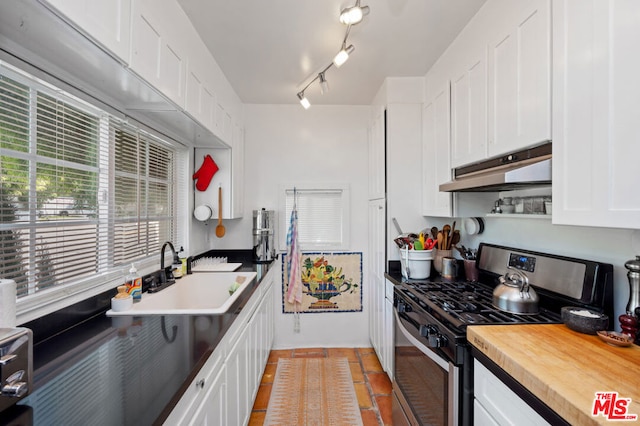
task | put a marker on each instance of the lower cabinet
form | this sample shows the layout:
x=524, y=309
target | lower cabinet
x=223, y=391
x=496, y=404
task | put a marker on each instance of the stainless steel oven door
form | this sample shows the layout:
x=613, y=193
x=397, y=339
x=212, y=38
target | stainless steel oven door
x=425, y=385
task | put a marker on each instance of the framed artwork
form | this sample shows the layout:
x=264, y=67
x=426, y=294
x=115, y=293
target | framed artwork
x=331, y=282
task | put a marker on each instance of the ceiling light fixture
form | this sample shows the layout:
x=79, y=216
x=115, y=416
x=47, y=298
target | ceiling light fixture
x=343, y=55
x=353, y=15
x=348, y=16
x=303, y=100
x=324, y=86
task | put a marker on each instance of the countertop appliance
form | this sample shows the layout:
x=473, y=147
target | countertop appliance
x=16, y=365
x=433, y=366
x=264, y=249
x=517, y=170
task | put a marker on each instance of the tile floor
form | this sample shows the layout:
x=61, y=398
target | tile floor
x=372, y=385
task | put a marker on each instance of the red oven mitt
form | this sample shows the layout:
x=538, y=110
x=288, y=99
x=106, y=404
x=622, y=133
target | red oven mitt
x=205, y=173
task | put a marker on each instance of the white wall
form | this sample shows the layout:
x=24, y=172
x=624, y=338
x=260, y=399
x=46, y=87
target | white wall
x=285, y=144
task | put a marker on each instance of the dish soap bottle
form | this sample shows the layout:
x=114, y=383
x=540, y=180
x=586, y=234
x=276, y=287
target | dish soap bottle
x=134, y=284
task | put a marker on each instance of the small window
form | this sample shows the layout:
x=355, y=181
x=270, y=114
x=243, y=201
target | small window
x=323, y=216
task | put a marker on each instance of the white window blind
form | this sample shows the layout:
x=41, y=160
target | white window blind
x=81, y=193
x=323, y=216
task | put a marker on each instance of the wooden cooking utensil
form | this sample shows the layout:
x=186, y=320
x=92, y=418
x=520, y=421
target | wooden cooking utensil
x=455, y=238
x=440, y=240
x=445, y=233
x=434, y=233
x=220, y=228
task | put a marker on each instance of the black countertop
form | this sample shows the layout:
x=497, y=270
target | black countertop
x=123, y=370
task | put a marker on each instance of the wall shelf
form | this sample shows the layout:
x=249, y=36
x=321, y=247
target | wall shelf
x=519, y=216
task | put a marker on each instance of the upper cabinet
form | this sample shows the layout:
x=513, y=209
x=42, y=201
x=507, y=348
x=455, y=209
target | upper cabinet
x=159, y=46
x=377, y=155
x=596, y=113
x=469, y=107
x=520, y=78
x=108, y=23
x=436, y=165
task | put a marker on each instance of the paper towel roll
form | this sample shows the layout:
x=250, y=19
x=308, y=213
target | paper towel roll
x=7, y=303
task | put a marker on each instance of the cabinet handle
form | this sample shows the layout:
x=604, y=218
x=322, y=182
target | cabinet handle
x=200, y=384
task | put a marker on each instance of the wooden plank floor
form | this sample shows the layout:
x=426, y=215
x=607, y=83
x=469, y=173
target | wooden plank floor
x=372, y=385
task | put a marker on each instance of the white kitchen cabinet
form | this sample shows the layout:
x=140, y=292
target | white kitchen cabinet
x=237, y=172
x=469, y=108
x=388, y=330
x=595, y=113
x=377, y=218
x=198, y=394
x=519, y=84
x=213, y=408
x=107, y=22
x=496, y=404
x=377, y=155
x=224, y=389
x=436, y=163
x=159, y=46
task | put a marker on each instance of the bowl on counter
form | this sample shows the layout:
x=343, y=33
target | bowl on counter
x=584, y=320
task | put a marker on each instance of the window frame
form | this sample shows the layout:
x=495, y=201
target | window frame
x=45, y=301
x=309, y=187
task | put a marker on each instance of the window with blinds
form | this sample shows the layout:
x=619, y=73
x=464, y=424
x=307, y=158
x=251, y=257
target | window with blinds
x=81, y=193
x=323, y=216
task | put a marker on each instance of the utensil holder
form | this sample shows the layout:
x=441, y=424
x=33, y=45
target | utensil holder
x=437, y=262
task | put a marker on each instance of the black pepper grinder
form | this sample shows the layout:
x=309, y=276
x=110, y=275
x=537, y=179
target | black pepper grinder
x=629, y=320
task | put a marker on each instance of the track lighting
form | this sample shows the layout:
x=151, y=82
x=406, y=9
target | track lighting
x=303, y=100
x=348, y=16
x=353, y=15
x=343, y=55
x=324, y=86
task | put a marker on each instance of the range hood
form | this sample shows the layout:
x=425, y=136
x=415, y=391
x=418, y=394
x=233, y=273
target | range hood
x=518, y=170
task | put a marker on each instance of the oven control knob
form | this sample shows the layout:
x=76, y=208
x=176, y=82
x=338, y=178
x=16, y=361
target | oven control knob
x=404, y=307
x=428, y=330
x=437, y=340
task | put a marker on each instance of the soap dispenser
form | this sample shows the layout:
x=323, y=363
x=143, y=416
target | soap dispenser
x=133, y=281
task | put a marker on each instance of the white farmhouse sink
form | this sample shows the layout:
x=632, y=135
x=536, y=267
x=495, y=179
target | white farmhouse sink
x=204, y=293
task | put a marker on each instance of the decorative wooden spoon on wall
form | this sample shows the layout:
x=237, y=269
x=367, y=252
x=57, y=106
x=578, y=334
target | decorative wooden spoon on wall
x=220, y=228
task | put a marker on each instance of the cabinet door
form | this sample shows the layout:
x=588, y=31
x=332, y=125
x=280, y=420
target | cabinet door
x=520, y=81
x=237, y=173
x=237, y=381
x=377, y=219
x=469, y=111
x=213, y=409
x=436, y=154
x=388, y=345
x=159, y=47
x=377, y=156
x=500, y=402
x=595, y=113
x=108, y=22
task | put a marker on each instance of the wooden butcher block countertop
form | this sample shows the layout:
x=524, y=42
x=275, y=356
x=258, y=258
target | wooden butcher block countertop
x=563, y=368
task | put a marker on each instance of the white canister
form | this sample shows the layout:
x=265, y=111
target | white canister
x=7, y=303
x=419, y=262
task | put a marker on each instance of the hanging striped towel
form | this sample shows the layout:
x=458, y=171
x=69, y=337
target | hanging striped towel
x=294, y=291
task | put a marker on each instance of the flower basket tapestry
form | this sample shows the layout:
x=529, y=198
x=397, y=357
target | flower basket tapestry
x=331, y=282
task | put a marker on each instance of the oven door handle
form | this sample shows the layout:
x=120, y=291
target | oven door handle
x=415, y=342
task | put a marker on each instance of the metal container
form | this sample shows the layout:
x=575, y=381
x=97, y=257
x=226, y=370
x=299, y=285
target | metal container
x=264, y=249
x=514, y=294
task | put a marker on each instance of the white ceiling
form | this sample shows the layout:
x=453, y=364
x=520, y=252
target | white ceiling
x=269, y=50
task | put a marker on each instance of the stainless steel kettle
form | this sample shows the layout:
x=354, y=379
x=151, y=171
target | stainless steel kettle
x=513, y=294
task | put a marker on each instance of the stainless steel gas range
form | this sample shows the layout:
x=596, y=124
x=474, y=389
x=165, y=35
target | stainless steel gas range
x=433, y=365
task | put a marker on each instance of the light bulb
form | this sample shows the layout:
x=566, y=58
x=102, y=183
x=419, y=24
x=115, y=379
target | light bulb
x=353, y=15
x=304, y=101
x=343, y=55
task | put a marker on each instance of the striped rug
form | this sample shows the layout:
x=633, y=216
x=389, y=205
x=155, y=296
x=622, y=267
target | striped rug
x=313, y=391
